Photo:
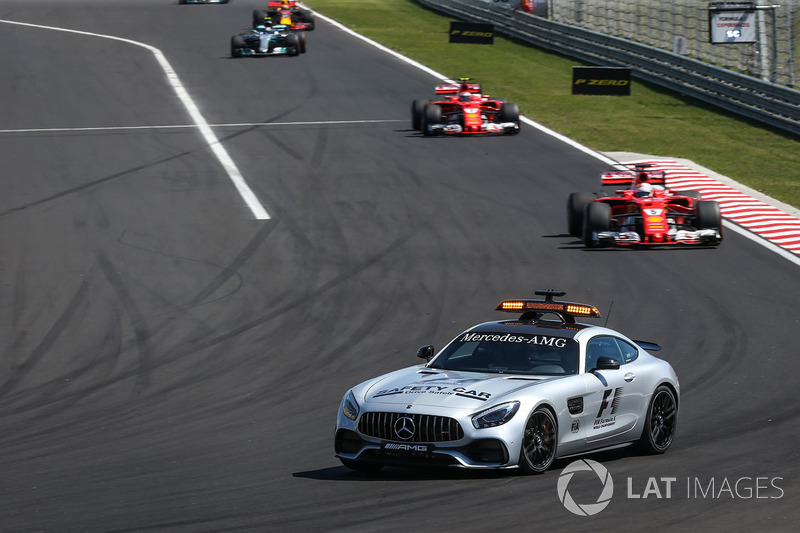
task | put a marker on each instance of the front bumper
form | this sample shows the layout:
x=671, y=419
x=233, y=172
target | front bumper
x=486, y=448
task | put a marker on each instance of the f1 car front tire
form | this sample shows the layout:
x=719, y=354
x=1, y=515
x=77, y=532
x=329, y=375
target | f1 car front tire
x=596, y=219
x=576, y=205
x=509, y=112
x=539, y=441
x=708, y=215
x=662, y=418
x=237, y=45
x=431, y=114
x=293, y=44
x=417, y=108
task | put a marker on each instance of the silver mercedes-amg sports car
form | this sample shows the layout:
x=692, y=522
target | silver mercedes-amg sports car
x=514, y=393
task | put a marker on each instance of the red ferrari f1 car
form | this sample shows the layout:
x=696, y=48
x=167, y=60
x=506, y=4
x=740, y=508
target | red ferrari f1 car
x=646, y=212
x=464, y=110
x=285, y=12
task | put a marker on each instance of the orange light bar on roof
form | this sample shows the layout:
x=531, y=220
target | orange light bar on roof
x=571, y=309
x=511, y=305
x=582, y=310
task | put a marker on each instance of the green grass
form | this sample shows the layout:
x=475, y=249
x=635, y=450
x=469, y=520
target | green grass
x=649, y=121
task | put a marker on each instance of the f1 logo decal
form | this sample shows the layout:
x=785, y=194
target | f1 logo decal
x=614, y=402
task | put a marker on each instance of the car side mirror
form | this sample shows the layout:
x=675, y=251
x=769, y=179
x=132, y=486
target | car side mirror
x=607, y=363
x=426, y=352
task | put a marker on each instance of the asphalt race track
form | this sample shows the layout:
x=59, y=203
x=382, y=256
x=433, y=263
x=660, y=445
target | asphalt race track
x=170, y=362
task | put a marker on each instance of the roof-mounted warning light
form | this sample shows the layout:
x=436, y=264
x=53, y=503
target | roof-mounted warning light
x=534, y=309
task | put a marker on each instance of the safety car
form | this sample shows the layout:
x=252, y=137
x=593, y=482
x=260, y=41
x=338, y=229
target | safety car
x=463, y=109
x=644, y=212
x=514, y=394
x=268, y=40
x=287, y=12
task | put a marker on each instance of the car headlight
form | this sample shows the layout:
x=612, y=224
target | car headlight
x=350, y=407
x=495, y=416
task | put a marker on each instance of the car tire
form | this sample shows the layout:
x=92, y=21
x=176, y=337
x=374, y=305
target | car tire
x=691, y=194
x=431, y=114
x=237, y=44
x=301, y=40
x=509, y=112
x=259, y=16
x=293, y=44
x=576, y=205
x=417, y=108
x=539, y=442
x=661, y=420
x=307, y=17
x=709, y=216
x=596, y=218
x=362, y=466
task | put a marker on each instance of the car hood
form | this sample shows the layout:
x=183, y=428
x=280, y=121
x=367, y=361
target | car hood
x=421, y=386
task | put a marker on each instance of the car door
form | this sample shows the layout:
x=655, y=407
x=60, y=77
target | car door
x=611, y=403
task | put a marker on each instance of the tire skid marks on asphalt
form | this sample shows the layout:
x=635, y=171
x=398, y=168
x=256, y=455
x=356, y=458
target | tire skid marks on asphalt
x=754, y=215
x=244, y=190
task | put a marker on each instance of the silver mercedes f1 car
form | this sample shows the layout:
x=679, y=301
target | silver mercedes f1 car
x=516, y=393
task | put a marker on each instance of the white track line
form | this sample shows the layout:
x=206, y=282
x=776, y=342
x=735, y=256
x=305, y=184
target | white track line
x=187, y=126
x=222, y=155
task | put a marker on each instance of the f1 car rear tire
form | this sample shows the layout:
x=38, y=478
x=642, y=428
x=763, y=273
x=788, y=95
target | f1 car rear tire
x=432, y=114
x=539, y=442
x=237, y=45
x=417, y=108
x=308, y=17
x=691, y=194
x=576, y=205
x=259, y=17
x=661, y=422
x=596, y=218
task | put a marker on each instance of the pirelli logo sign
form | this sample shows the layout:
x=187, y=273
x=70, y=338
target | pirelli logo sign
x=601, y=80
x=471, y=32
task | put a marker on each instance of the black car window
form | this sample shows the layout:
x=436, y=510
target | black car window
x=606, y=346
x=629, y=351
x=602, y=346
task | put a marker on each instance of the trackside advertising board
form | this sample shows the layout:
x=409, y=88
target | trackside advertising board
x=601, y=80
x=732, y=22
x=471, y=32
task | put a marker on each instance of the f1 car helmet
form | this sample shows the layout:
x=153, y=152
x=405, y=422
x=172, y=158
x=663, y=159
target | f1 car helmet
x=645, y=189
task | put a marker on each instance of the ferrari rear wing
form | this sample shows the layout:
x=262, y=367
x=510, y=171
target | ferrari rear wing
x=630, y=178
x=455, y=88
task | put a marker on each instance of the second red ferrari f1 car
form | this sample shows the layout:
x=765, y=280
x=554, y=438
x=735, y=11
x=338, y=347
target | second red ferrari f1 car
x=464, y=110
x=644, y=213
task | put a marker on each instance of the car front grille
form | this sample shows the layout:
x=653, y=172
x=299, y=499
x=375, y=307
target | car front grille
x=410, y=427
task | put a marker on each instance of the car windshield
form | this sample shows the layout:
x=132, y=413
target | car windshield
x=510, y=353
